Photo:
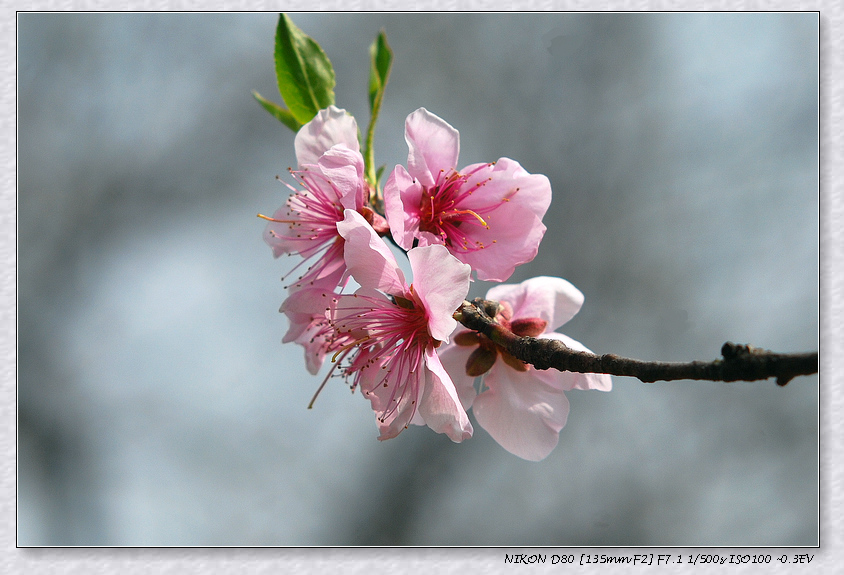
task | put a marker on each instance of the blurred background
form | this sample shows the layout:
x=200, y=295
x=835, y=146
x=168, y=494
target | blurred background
x=157, y=406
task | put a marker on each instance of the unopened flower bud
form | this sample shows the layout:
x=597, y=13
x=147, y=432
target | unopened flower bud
x=513, y=361
x=480, y=361
x=528, y=326
x=467, y=338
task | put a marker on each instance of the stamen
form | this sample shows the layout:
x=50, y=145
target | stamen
x=321, y=385
x=349, y=346
x=470, y=212
x=269, y=219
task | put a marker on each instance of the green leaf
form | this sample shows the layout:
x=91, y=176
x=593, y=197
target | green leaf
x=381, y=60
x=281, y=114
x=305, y=76
x=379, y=71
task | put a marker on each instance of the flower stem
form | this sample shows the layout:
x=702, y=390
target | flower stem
x=739, y=362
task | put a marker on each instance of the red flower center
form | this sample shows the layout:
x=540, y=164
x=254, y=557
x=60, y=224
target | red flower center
x=441, y=214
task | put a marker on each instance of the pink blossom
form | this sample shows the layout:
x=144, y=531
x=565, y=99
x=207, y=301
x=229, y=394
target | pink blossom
x=330, y=173
x=310, y=325
x=395, y=329
x=488, y=215
x=522, y=408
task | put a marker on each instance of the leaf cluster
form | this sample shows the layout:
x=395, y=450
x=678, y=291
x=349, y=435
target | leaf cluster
x=306, y=82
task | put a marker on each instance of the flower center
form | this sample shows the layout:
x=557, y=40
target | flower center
x=312, y=212
x=441, y=213
x=307, y=225
x=386, y=339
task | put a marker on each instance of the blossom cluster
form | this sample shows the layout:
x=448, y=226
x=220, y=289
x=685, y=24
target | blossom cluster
x=395, y=338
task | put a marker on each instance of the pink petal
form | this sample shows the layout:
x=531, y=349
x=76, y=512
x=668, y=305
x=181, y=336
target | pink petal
x=521, y=413
x=326, y=272
x=566, y=380
x=401, y=203
x=441, y=282
x=306, y=311
x=329, y=127
x=506, y=178
x=512, y=239
x=278, y=235
x=440, y=407
x=379, y=397
x=344, y=168
x=368, y=259
x=434, y=145
x=553, y=299
x=453, y=358
x=300, y=308
x=316, y=346
x=512, y=202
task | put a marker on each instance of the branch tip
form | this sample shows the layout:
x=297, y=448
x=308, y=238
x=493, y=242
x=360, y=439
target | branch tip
x=741, y=362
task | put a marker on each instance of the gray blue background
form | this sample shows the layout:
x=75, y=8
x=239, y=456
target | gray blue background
x=156, y=405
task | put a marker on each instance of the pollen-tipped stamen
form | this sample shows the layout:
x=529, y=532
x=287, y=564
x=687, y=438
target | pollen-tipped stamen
x=349, y=346
x=448, y=216
x=269, y=219
x=321, y=385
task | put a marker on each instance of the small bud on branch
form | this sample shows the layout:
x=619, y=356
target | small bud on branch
x=739, y=363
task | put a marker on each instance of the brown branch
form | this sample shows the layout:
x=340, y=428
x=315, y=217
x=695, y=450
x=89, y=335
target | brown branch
x=739, y=363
